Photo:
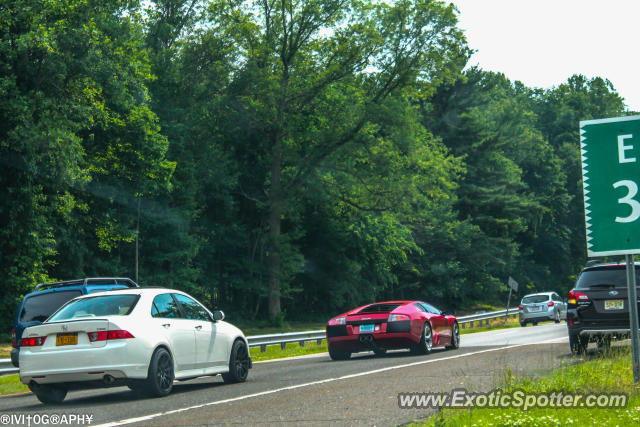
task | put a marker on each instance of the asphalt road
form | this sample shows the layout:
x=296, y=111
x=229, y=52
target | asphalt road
x=314, y=390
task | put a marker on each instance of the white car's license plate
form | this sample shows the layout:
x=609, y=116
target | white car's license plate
x=67, y=339
x=536, y=308
x=366, y=328
x=613, y=304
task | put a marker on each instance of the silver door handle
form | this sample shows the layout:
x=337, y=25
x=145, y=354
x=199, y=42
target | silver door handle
x=198, y=327
x=166, y=325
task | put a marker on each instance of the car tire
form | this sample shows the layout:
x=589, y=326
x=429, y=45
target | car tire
x=160, y=375
x=380, y=351
x=239, y=363
x=455, y=337
x=48, y=394
x=557, y=317
x=523, y=324
x=535, y=323
x=426, y=340
x=578, y=344
x=339, y=355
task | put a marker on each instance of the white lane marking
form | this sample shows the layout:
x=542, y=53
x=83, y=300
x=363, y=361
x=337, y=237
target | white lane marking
x=328, y=380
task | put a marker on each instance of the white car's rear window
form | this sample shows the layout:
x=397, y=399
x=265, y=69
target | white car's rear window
x=98, y=306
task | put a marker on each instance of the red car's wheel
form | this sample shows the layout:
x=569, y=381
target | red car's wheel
x=455, y=337
x=426, y=340
x=339, y=355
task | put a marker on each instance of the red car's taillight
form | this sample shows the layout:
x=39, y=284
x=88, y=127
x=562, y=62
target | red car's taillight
x=550, y=304
x=575, y=297
x=108, y=335
x=397, y=317
x=520, y=307
x=32, y=341
x=14, y=342
x=337, y=321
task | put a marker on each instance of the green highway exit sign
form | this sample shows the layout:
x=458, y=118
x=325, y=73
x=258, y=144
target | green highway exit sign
x=611, y=176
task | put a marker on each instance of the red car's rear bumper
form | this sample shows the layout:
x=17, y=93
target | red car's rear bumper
x=385, y=335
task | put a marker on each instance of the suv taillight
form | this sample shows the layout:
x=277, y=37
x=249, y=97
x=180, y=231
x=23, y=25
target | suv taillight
x=14, y=342
x=550, y=304
x=576, y=297
x=520, y=307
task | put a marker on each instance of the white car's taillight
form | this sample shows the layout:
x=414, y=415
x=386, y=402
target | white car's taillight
x=32, y=341
x=109, y=335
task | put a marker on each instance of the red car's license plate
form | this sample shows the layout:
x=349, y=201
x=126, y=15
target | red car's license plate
x=366, y=328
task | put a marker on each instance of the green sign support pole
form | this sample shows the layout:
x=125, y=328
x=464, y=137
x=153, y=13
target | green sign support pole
x=633, y=314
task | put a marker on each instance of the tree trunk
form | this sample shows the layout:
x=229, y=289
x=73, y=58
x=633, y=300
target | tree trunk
x=275, y=218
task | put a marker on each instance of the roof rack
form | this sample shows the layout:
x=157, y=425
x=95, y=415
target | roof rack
x=89, y=281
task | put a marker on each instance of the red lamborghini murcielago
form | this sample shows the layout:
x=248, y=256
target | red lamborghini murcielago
x=389, y=325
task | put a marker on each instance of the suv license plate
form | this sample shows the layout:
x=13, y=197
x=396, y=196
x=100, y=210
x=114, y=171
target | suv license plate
x=614, y=304
x=67, y=339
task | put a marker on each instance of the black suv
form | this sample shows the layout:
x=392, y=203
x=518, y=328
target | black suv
x=597, y=306
x=37, y=306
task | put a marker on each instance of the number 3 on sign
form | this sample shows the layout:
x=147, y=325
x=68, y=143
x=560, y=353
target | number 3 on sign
x=632, y=190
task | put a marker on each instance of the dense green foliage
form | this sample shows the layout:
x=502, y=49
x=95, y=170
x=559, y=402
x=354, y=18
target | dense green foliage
x=281, y=157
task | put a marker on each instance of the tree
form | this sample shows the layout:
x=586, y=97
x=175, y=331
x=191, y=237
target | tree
x=313, y=72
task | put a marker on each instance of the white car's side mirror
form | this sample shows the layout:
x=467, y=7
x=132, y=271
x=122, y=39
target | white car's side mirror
x=218, y=315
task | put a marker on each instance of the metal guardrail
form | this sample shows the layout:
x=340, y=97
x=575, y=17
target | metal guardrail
x=301, y=338
x=6, y=367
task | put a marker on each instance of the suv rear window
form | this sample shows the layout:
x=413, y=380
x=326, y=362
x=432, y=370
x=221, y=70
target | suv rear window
x=605, y=276
x=40, y=307
x=533, y=299
x=98, y=306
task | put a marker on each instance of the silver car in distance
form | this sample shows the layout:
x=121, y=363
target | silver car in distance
x=142, y=338
x=540, y=307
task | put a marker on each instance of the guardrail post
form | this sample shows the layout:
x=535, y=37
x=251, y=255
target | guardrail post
x=283, y=345
x=301, y=343
x=263, y=348
x=319, y=342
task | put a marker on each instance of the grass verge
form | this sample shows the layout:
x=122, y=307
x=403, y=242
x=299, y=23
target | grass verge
x=292, y=350
x=493, y=324
x=5, y=351
x=606, y=373
x=10, y=384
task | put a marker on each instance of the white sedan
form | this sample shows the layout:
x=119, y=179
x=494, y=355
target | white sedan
x=142, y=338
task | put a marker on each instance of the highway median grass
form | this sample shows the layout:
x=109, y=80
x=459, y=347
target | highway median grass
x=10, y=384
x=603, y=373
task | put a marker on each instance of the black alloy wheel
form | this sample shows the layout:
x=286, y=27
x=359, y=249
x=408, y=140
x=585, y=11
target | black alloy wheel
x=239, y=363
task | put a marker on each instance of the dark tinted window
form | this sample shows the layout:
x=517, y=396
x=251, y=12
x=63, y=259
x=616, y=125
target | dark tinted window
x=192, y=309
x=421, y=307
x=98, y=306
x=40, y=307
x=379, y=308
x=533, y=299
x=430, y=308
x=604, y=276
x=165, y=306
